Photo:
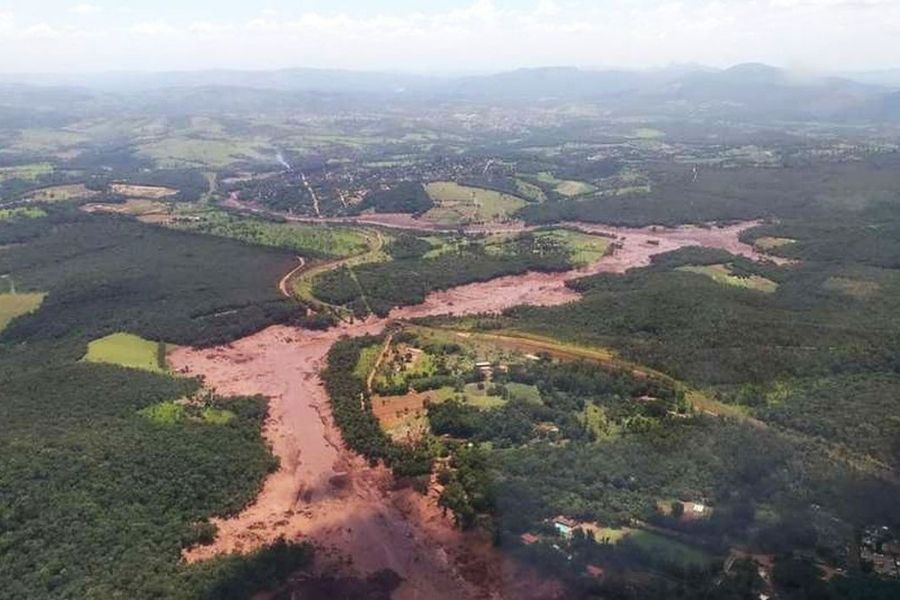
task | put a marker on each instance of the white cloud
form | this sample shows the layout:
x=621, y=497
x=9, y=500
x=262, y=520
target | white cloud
x=153, y=28
x=86, y=9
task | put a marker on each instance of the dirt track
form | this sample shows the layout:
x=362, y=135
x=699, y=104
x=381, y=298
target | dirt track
x=326, y=494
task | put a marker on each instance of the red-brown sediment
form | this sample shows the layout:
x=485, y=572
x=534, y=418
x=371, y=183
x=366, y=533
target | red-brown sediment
x=326, y=494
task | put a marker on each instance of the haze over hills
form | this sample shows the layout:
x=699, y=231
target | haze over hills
x=747, y=90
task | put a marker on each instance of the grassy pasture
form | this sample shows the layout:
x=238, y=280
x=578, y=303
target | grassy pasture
x=311, y=240
x=722, y=274
x=25, y=212
x=770, y=243
x=458, y=204
x=522, y=391
x=188, y=151
x=153, y=192
x=566, y=187
x=126, y=350
x=584, y=249
x=662, y=548
x=28, y=172
x=15, y=305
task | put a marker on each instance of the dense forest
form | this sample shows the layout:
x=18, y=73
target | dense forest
x=98, y=494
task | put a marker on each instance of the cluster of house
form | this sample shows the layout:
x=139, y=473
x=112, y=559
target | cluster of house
x=881, y=549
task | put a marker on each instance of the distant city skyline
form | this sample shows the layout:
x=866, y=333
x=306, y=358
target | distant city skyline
x=446, y=36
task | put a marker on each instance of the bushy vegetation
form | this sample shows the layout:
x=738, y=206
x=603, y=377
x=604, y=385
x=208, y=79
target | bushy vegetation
x=379, y=287
x=98, y=492
x=403, y=197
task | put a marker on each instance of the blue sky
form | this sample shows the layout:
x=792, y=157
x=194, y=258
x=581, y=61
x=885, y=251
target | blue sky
x=445, y=35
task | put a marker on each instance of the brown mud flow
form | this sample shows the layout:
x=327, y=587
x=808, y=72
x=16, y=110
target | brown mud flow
x=328, y=495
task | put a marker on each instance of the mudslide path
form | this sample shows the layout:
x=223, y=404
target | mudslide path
x=330, y=496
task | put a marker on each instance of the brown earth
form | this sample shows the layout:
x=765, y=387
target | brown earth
x=330, y=496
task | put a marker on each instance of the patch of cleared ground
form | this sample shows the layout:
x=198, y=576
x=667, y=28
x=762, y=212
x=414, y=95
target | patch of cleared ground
x=127, y=350
x=769, y=243
x=15, y=305
x=152, y=192
x=855, y=288
x=460, y=204
x=61, y=193
x=723, y=274
x=22, y=212
x=661, y=547
x=566, y=187
x=584, y=249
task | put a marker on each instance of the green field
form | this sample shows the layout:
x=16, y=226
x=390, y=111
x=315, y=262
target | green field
x=525, y=392
x=126, y=350
x=15, y=305
x=770, y=243
x=722, y=274
x=661, y=548
x=317, y=241
x=566, y=187
x=584, y=249
x=457, y=204
x=28, y=172
x=367, y=359
x=24, y=212
x=188, y=151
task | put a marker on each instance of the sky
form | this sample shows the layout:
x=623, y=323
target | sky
x=447, y=36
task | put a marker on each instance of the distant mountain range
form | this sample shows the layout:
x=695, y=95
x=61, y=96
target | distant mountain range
x=743, y=91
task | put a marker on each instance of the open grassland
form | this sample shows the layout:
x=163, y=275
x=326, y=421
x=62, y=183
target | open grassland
x=458, y=204
x=153, y=192
x=188, y=151
x=61, y=193
x=171, y=412
x=566, y=187
x=50, y=141
x=28, y=172
x=15, y=305
x=662, y=548
x=127, y=350
x=770, y=243
x=722, y=274
x=314, y=241
x=584, y=249
x=24, y=212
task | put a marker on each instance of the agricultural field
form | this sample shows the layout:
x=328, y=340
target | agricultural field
x=767, y=243
x=723, y=274
x=175, y=152
x=584, y=249
x=24, y=212
x=61, y=193
x=662, y=548
x=458, y=204
x=127, y=350
x=317, y=241
x=27, y=172
x=14, y=305
x=565, y=187
x=152, y=192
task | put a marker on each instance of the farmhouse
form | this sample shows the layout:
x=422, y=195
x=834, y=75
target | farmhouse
x=564, y=525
